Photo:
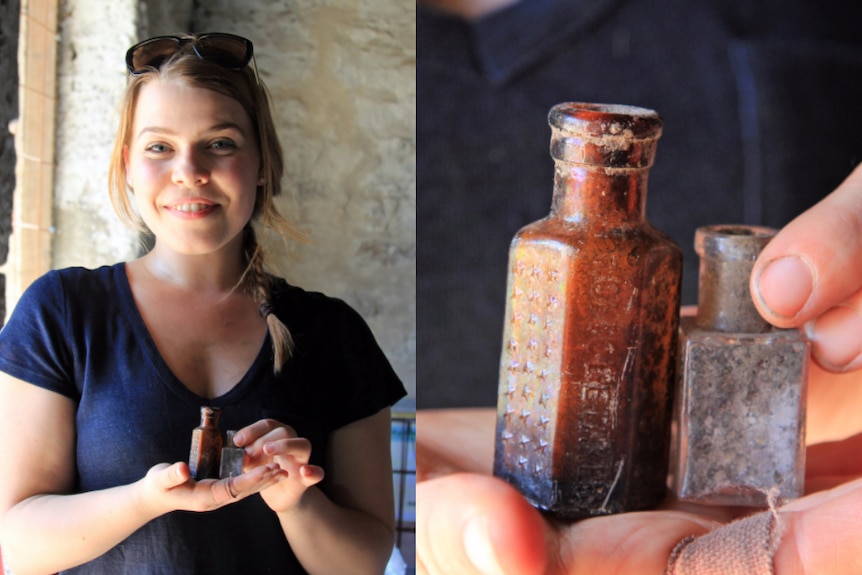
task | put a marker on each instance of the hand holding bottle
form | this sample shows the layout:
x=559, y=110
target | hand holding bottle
x=810, y=275
x=169, y=487
x=269, y=442
x=472, y=523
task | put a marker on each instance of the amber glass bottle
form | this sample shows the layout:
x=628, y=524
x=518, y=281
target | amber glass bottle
x=590, y=335
x=206, y=445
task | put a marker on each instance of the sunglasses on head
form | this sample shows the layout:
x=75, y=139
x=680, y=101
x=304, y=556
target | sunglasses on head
x=226, y=50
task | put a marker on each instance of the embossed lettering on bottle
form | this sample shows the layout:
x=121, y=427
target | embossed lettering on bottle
x=740, y=408
x=206, y=445
x=589, y=349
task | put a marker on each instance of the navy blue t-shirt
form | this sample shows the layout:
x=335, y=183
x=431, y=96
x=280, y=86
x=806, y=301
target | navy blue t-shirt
x=78, y=332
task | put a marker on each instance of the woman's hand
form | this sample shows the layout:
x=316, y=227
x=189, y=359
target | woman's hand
x=471, y=522
x=810, y=275
x=169, y=487
x=268, y=442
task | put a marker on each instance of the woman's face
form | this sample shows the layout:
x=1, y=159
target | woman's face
x=193, y=164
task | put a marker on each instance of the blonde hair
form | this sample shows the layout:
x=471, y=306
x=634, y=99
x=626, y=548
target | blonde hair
x=246, y=88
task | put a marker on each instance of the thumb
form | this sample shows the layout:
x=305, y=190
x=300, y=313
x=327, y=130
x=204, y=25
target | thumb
x=822, y=533
x=474, y=524
x=810, y=273
x=167, y=476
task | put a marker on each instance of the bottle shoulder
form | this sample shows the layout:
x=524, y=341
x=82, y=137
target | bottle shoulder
x=579, y=236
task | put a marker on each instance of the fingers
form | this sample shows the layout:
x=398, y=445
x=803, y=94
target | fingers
x=822, y=533
x=812, y=266
x=168, y=476
x=235, y=488
x=311, y=474
x=298, y=448
x=269, y=438
x=298, y=451
x=222, y=492
x=472, y=524
x=455, y=439
x=258, y=432
x=836, y=336
x=827, y=464
x=430, y=464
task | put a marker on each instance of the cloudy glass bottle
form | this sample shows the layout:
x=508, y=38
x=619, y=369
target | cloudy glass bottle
x=740, y=411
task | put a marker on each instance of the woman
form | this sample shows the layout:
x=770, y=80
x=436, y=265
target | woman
x=104, y=371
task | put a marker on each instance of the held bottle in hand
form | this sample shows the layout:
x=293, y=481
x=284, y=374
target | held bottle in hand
x=231, y=457
x=206, y=446
x=740, y=408
x=590, y=337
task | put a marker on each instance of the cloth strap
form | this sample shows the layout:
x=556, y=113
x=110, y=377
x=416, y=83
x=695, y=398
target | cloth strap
x=743, y=547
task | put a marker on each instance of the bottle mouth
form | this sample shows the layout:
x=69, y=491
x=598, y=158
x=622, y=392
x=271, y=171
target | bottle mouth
x=732, y=242
x=589, y=120
x=611, y=136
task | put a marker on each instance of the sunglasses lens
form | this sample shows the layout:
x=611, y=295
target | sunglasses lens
x=151, y=53
x=226, y=50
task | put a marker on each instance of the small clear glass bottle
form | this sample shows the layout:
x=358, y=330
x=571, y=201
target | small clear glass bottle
x=739, y=416
x=591, y=325
x=231, y=457
x=206, y=445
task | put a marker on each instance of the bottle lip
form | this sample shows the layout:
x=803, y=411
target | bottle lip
x=596, y=120
x=732, y=241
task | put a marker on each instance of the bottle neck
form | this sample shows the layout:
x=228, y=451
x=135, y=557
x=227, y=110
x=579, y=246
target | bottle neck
x=229, y=435
x=209, y=417
x=727, y=256
x=605, y=196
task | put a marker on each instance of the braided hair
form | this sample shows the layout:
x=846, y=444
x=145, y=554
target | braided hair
x=257, y=283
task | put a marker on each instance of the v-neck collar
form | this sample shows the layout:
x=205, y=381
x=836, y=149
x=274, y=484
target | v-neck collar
x=507, y=42
x=262, y=361
x=510, y=41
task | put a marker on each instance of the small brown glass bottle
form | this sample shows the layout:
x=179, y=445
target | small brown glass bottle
x=231, y=457
x=740, y=407
x=590, y=334
x=206, y=445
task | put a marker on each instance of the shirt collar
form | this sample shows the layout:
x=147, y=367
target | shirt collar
x=510, y=41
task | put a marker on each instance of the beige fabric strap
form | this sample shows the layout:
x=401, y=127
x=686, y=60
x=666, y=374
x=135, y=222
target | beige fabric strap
x=744, y=547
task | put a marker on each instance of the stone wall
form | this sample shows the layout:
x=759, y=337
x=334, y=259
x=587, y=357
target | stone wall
x=341, y=73
x=93, y=36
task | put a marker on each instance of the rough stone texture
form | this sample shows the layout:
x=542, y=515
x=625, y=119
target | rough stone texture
x=341, y=73
x=161, y=17
x=90, y=76
x=9, y=20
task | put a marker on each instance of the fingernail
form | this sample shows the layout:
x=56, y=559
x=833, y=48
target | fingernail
x=785, y=285
x=836, y=338
x=479, y=549
x=238, y=439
